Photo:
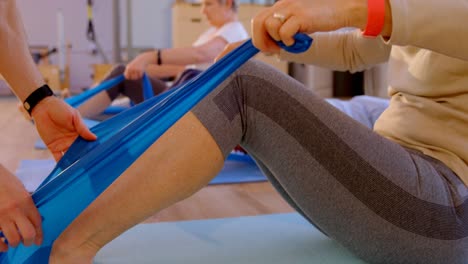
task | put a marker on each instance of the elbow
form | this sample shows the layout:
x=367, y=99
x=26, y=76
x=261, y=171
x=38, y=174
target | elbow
x=356, y=62
x=354, y=66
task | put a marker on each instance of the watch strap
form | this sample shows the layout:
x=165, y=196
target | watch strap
x=35, y=97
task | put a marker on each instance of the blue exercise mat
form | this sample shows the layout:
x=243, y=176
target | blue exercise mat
x=88, y=168
x=266, y=239
x=238, y=168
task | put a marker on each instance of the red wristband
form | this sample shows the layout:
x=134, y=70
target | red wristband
x=375, y=18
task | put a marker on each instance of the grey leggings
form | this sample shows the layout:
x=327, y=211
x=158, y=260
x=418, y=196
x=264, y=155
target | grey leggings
x=385, y=203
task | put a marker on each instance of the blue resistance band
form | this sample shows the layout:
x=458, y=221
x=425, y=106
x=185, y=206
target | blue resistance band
x=77, y=100
x=88, y=168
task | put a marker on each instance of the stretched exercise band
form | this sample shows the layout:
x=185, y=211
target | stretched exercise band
x=77, y=100
x=88, y=168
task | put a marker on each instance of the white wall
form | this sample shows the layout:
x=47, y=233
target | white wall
x=151, y=23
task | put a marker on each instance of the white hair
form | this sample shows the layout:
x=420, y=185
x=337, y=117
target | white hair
x=235, y=4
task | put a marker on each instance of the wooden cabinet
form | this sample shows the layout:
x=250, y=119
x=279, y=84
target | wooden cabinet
x=188, y=23
x=100, y=71
x=51, y=74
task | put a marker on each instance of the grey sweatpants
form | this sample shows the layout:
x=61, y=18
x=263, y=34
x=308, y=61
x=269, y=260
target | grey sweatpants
x=385, y=203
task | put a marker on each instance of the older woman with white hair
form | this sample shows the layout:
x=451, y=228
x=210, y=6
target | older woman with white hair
x=182, y=63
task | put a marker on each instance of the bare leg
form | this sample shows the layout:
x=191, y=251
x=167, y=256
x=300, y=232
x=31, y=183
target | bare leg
x=95, y=105
x=140, y=194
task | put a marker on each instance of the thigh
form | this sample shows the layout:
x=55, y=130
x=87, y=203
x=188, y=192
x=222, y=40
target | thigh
x=385, y=203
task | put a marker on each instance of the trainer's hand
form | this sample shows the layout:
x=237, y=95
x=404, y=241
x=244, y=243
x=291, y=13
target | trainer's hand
x=19, y=219
x=59, y=125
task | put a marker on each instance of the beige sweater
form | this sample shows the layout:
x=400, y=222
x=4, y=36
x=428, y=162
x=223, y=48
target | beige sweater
x=428, y=75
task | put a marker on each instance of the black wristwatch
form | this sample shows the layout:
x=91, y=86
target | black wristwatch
x=35, y=97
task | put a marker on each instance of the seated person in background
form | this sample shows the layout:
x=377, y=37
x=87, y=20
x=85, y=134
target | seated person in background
x=183, y=63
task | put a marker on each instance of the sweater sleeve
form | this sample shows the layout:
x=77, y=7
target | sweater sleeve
x=436, y=25
x=342, y=50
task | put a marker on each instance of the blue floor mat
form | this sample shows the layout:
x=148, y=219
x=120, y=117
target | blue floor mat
x=238, y=168
x=266, y=239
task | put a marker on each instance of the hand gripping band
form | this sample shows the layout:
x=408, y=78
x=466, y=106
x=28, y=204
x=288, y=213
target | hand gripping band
x=375, y=18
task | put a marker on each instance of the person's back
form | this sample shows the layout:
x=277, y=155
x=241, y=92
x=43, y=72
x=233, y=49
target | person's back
x=429, y=105
x=431, y=98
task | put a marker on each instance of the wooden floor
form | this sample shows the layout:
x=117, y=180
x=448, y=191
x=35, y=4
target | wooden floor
x=17, y=142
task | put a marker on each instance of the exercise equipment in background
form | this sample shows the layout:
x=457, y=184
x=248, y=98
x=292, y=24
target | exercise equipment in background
x=38, y=56
x=91, y=34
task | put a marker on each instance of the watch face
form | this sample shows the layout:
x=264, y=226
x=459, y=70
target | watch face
x=26, y=106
